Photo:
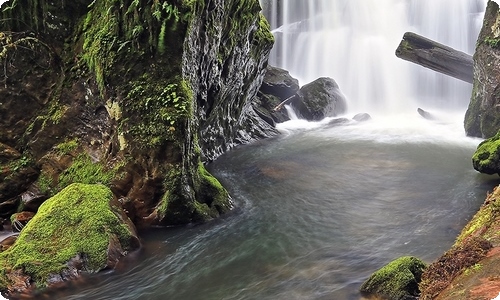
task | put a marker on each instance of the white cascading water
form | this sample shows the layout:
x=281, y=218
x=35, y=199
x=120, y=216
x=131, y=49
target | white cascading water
x=354, y=42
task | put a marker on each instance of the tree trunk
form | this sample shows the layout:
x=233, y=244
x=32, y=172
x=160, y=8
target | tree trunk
x=435, y=56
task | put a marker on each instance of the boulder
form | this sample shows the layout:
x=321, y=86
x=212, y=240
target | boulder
x=277, y=86
x=361, y=117
x=319, y=99
x=486, y=159
x=278, y=82
x=482, y=118
x=82, y=229
x=398, y=280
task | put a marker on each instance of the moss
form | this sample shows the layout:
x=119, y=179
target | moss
x=212, y=192
x=81, y=170
x=486, y=159
x=397, y=280
x=77, y=221
x=481, y=223
x=157, y=111
x=67, y=147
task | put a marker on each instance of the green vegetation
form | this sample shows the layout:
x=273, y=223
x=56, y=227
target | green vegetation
x=492, y=42
x=67, y=147
x=211, y=191
x=163, y=108
x=81, y=170
x=486, y=159
x=397, y=280
x=77, y=221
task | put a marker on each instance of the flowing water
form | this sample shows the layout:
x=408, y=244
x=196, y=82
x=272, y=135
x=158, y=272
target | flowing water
x=317, y=211
x=321, y=207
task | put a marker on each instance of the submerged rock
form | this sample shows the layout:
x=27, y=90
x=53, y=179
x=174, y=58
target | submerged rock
x=81, y=229
x=398, y=280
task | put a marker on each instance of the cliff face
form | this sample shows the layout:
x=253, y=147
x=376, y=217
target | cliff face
x=482, y=118
x=134, y=94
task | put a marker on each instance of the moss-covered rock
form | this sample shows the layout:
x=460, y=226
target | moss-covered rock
x=81, y=229
x=486, y=159
x=132, y=94
x=398, y=280
x=482, y=118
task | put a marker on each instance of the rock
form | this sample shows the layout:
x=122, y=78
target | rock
x=277, y=86
x=278, y=82
x=7, y=242
x=19, y=220
x=81, y=229
x=32, y=198
x=486, y=159
x=398, y=280
x=482, y=118
x=319, y=99
x=124, y=102
x=425, y=114
x=361, y=117
x=338, y=122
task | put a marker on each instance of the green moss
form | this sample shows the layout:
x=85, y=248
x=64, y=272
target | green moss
x=212, y=192
x=486, y=159
x=483, y=220
x=492, y=42
x=157, y=111
x=77, y=221
x=397, y=280
x=67, y=147
x=83, y=170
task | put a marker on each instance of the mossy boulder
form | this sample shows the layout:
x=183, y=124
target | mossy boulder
x=482, y=118
x=486, y=159
x=82, y=229
x=398, y=280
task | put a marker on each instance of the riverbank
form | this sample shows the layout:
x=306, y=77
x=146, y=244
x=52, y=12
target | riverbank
x=481, y=279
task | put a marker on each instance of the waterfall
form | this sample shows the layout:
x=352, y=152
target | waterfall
x=354, y=42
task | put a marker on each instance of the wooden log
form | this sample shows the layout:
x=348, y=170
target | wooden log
x=436, y=56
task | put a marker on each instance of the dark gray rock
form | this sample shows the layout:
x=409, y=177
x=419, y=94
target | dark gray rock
x=320, y=99
x=361, y=117
x=482, y=118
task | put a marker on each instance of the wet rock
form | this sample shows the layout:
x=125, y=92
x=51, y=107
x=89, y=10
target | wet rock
x=32, y=198
x=425, y=114
x=19, y=220
x=278, y=85
x=482, y=118
x=361, y=117
x=338, y=122
x=398, y=280
x=319, y=99
x=7, y=242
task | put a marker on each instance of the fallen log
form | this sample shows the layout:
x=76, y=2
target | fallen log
x=435, y=56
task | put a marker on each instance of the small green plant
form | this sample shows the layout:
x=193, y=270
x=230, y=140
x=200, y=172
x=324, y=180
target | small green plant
x=67, y=147
x=492, y=42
